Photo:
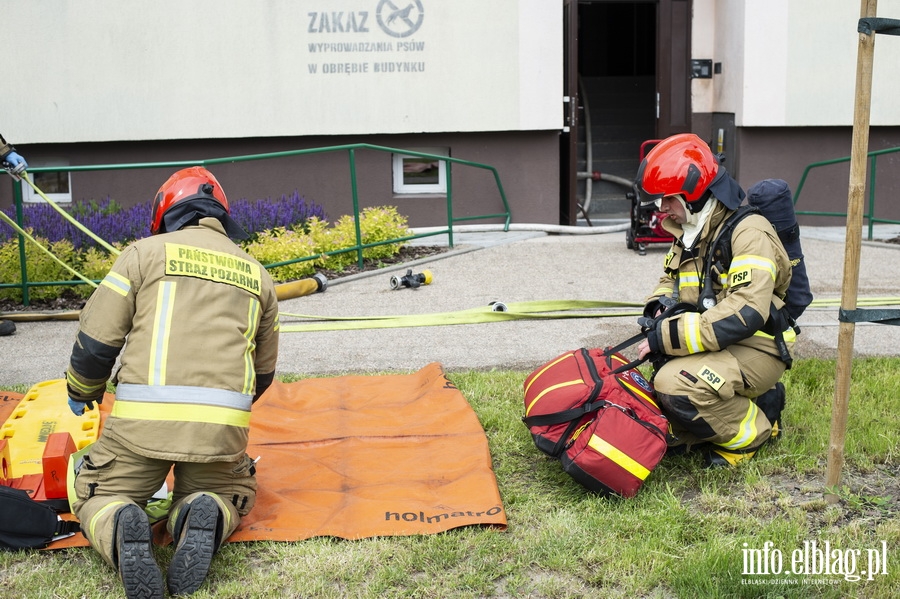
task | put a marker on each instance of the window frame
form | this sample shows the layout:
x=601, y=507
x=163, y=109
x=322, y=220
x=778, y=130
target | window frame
x=30, y=196
x=400, y=187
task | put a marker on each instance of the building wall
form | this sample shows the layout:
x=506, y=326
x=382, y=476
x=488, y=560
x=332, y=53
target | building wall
x=104, y=81
x=784, y=153
x=790, y=63
x=526, y=161
x=786, y=95
x=105, y=70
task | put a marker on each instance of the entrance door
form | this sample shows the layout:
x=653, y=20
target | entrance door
x=673, y=63
x=627, y=75
x=568, y=140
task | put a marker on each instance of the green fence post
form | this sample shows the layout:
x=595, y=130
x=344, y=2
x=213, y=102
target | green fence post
x=449, y=203
x=871, y=211
x=20, y=220
x=355, y=192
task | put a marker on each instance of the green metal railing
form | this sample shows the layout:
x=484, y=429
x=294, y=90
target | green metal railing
x=351, y=150
x=870, y=210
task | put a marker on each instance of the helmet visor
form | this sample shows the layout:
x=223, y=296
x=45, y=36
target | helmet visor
x=646, y=198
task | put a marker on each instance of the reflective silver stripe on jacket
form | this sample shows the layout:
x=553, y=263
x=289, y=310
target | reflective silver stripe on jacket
x=183, y=394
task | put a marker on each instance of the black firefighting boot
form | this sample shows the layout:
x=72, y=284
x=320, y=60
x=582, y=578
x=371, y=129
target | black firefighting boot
x=772, y=404
x=686, y=448
x=197, y=540
x=140, y=574
x=719, y=457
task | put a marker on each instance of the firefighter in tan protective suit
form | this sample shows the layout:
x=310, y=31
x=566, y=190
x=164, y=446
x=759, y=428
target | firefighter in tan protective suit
x=200, y=318
x=721, y=349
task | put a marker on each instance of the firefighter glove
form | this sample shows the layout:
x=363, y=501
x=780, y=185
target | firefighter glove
x=78, y=406
x=15, y=162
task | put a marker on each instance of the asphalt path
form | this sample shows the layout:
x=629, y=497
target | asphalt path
x=507, y=267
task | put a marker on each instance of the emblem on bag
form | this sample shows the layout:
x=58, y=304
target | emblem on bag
x=641, y=382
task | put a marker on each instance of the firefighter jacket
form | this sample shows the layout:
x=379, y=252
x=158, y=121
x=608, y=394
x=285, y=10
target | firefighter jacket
x=200, y=318
x=748, y=292
x=5, y=147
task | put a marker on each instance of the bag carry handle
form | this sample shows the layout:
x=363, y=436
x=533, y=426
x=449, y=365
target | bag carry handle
x=564, y=416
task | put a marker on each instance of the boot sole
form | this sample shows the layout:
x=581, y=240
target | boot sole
x=196, y=546
x=138, y=569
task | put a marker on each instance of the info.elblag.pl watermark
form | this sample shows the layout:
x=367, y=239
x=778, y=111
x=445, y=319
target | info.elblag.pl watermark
x=813, y=563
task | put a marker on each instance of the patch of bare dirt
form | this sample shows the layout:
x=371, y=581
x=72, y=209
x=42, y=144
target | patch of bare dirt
x=863, y=499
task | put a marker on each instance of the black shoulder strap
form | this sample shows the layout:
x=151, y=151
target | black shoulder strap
x=26, y=523
x=722, y=242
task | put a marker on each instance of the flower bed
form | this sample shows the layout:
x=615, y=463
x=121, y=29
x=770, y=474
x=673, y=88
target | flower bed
x=280, y=231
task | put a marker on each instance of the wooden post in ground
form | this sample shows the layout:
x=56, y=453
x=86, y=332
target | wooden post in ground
x=850, y=284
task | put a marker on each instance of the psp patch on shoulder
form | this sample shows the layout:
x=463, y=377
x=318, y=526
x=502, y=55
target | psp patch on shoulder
x=740, y=277
x=711, y=377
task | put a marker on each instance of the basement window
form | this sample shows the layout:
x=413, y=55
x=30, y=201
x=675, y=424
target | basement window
x=419, y=174
x=57, y=186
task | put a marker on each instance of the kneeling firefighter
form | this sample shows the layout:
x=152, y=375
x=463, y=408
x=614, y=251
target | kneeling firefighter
x=200, y=317
x=716, y=328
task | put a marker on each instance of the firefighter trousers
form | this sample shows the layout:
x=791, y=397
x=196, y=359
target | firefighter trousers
x=708, y=397
x=113, y=477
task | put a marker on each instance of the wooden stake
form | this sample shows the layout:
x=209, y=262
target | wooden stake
x=850, y=285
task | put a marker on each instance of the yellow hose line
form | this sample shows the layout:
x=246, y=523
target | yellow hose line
x=68, y=216
x=537, y=310
x=861, y=301
x=25, y=234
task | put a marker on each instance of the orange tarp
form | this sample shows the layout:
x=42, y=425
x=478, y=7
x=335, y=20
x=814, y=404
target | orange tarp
x=363, y=456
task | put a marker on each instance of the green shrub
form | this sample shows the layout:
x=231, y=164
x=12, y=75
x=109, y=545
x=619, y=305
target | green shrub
x=94, y=264
x=328, y=239
x=280, y=245
x=314, y=237
x=41, y=267
x=376, y=224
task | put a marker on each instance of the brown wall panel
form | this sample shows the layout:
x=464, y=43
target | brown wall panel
x=527, y=163
x=784, y=153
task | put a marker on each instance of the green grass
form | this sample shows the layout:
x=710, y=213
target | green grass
x=682, y=536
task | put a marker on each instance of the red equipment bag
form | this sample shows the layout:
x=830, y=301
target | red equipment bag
x=596, y=413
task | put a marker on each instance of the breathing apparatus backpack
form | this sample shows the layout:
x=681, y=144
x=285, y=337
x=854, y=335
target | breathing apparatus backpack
x=772, y=199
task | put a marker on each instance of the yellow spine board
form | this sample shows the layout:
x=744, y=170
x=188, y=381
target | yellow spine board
x=42, y=412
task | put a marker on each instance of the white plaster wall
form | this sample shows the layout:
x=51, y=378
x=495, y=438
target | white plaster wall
x=792, y=62
x=104, y=70
x=703, y=45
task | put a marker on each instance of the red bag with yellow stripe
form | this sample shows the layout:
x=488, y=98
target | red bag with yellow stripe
x=595, y=412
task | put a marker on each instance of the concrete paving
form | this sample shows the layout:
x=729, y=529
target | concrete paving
x=510, y=267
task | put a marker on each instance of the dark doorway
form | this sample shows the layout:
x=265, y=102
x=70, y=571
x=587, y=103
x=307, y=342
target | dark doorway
x=627, y=70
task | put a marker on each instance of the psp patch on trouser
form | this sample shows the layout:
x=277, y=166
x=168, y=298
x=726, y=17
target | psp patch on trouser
x=707, y=397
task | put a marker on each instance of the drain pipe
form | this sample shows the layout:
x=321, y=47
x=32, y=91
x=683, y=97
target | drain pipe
x=558, y=229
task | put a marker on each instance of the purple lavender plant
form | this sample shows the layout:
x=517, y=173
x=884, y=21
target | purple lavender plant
x=115, y=224
x=264, y=214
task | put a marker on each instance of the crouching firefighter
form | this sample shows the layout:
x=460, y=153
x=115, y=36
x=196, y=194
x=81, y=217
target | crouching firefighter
x=200, y=318
x=716, y=327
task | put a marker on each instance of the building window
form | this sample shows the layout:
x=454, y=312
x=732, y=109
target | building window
x=418, y=174
x=57, y=186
